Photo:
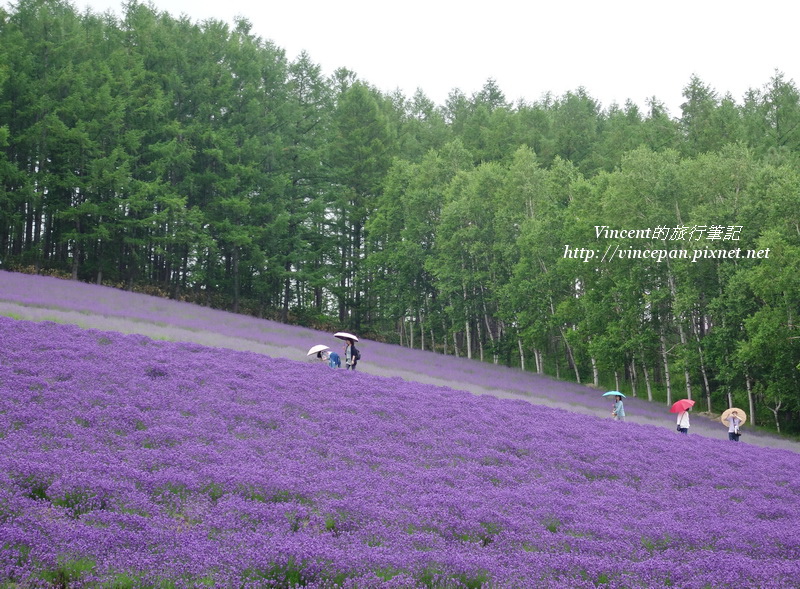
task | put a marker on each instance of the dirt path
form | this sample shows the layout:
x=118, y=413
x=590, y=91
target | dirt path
x=209, y=338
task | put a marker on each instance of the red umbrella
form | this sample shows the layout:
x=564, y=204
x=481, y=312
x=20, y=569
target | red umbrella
x=682, y=405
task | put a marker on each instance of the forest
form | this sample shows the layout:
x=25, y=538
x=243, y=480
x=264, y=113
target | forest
x=631, y=248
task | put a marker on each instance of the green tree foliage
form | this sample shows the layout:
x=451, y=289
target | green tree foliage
x=576, y=118
x=195, y=160
x=307, y=250
x=361, y=152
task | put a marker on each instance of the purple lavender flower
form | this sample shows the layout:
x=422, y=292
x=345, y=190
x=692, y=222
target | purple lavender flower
x=133, y=462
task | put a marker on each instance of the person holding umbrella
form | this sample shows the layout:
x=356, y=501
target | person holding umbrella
x=682, y=408
x=351, y=353
x=324, y=353
x=733, y=418
x=618, y=410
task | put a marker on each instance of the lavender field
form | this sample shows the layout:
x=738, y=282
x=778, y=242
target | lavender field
x=41, y=298
x=130, y=462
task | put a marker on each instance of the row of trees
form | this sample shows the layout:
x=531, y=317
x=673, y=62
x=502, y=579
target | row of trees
x=197, y=160
x=667, y=277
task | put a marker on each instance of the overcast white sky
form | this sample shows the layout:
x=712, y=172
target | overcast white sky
x=616, y=49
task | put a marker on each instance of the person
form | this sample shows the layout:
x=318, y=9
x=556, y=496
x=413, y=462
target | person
x=683, y=421
x=350, y=357
x=332, y=358
x=618, y=411
x=733, y=426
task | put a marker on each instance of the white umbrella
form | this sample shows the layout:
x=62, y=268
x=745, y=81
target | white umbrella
x=345, y=335
x=317, y=348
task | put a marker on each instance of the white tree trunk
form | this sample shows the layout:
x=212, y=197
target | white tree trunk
x=648, y=385
x=702, y=365
x=775, y=413
x=665, y=359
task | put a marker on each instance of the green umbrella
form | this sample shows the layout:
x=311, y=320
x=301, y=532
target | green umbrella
x=613, y=394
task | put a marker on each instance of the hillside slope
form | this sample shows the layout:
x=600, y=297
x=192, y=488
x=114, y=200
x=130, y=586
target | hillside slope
x=129, y=462
x=44, y=298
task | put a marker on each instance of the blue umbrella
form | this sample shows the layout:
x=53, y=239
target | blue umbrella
x=613, y=394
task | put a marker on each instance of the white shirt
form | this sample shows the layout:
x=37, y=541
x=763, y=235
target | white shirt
x=683, y=420
x=733, y=424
